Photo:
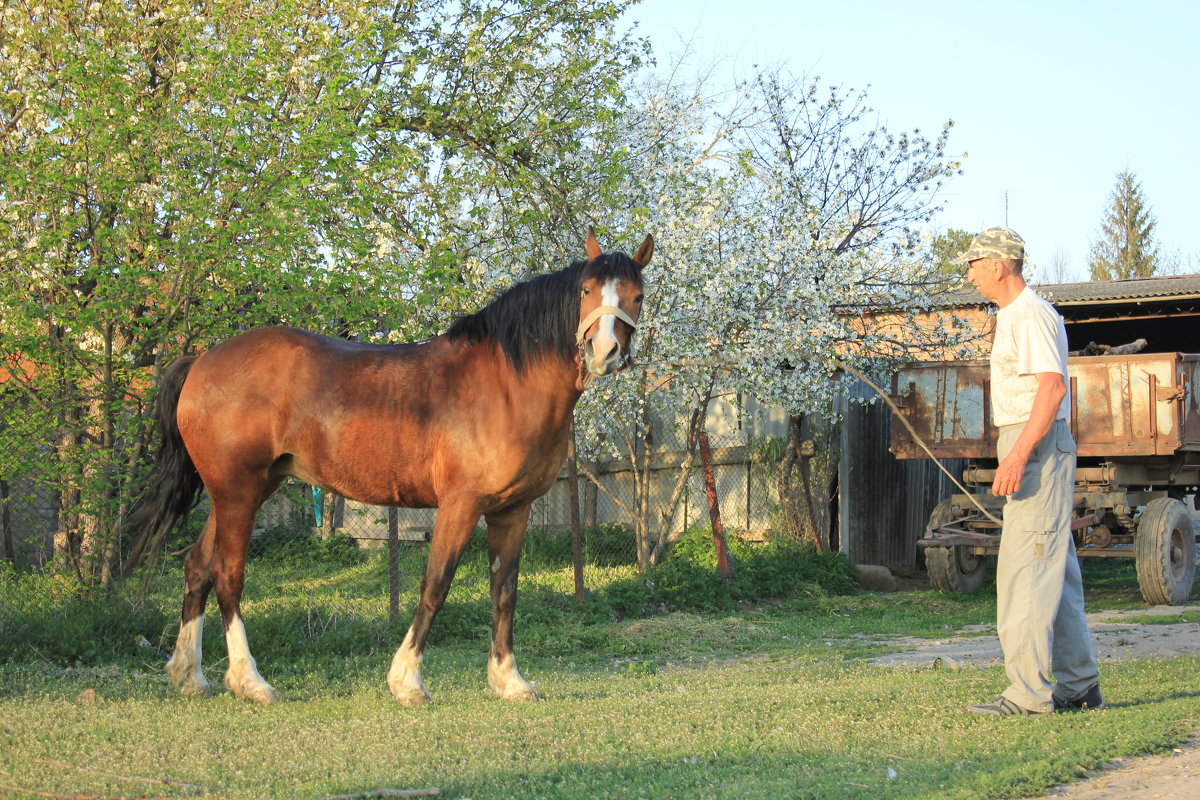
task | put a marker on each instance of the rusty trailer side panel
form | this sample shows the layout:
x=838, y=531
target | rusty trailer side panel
x=1145, y=404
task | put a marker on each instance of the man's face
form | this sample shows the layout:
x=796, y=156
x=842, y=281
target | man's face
x=984, y=275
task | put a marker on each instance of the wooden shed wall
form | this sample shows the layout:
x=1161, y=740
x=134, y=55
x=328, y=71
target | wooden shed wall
x=883, y=502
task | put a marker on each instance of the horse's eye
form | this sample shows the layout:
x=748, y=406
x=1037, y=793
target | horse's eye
x=638, y=299
x=586, y=291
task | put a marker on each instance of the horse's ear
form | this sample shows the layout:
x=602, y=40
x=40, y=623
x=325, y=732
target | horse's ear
x=593, y=247
x=644, y=252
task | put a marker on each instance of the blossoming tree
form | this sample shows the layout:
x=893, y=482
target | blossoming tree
x=776, y=215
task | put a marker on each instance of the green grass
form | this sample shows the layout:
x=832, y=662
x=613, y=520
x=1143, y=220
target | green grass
x=755, y=726
x=772, y=700
x=1192, y=615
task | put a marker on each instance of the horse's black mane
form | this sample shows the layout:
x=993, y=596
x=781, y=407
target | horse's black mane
x=538, y=317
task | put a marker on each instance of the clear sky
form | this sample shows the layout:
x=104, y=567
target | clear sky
x=1050, y=99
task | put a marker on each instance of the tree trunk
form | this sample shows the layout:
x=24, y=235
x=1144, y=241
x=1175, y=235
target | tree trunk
x=695, y=425
x=714, y=507
x=798, y=454
x=818, y=540
x=792, y=523
x=642, y=472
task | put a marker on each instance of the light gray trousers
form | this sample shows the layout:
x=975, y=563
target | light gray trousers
x=1039, y=590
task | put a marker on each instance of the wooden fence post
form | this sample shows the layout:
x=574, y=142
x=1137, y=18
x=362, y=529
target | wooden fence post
x=576, y=526
x=393, y=525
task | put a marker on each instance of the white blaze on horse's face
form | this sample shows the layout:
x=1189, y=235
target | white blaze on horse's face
x=603, y=352
x=605, y=347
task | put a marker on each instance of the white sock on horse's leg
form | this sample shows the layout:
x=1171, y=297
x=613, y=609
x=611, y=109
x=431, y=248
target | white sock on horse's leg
x=506, y=681
x=183, y=669
x=404, y=677
x=242, y=677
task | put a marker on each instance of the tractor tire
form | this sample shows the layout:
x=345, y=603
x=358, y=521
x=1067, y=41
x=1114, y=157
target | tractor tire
x=953, y=569
x=1165, y=552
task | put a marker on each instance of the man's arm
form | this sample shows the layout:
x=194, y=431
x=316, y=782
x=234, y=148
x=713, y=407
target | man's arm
x=1050, y=392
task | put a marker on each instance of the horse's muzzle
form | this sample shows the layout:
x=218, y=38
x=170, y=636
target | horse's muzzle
x=600, y=365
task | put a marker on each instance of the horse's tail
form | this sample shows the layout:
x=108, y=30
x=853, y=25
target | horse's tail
x=175, y=486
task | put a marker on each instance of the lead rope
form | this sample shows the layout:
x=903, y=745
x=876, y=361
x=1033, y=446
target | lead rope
x=898, y=414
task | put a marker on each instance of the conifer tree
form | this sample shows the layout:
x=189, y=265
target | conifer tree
x=1126, y=246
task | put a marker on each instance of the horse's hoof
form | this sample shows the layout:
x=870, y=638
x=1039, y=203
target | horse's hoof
x=263, y=695
x=193, y=688
x=413, y=698
x=190, y=683
x=257, y=692
x=526, y=695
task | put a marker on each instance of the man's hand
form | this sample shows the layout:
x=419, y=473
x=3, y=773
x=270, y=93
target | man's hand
x=1050, y=392
x=1008, y=474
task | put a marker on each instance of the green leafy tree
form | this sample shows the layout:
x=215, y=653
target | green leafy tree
x=946, y=247
x=1126, y=246
x=171, y=173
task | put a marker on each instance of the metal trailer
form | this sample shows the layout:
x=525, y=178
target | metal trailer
x=1136, y=420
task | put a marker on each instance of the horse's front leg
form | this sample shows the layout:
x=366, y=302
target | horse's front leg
x=506, y=532
x=456, y=518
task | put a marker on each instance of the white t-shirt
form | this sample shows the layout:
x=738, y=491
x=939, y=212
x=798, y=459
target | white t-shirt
x=1030, y=338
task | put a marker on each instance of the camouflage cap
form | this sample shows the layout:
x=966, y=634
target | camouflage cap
x=994, y=243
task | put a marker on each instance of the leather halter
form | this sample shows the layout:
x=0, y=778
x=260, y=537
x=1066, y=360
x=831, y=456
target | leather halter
x=598, y=312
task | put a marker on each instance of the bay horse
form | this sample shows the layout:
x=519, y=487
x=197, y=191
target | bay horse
x=473, y=422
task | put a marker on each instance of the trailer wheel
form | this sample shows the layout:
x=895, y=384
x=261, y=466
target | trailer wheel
x=953, y=569
x=1165, y=552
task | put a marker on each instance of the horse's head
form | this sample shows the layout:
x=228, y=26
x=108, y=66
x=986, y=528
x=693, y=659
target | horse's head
x=609, y=305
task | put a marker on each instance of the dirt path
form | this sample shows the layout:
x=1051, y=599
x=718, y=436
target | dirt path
x=1115, y=639
x=1172, y=777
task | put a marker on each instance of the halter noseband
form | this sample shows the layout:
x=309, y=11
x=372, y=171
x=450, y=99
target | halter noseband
x=598, y=312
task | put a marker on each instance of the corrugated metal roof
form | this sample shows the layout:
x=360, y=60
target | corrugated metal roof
x=1171, y=287
x=1159, y=288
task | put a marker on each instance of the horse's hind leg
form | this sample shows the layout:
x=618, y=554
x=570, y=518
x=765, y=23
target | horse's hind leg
x=505, y=534
x=455, y=520
x=234, y=512
x=184, y=668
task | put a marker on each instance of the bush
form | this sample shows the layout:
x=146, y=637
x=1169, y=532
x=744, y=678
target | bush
x=603, y=546
x=49, y=616
x=782, y=567
x=682, y=583
x=778, y=568
x=543, y=548
x=46, y=616
x=609, y=546
x=302, y=546
x=627, y=598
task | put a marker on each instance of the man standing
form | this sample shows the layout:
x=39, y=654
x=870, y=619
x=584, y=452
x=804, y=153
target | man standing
x=1039, y=591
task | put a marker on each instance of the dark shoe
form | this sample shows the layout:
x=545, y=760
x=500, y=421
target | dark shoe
x=1090, y=700
x=1000, y=707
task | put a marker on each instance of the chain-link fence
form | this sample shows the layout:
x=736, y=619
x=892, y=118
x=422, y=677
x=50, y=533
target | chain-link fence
x=32, y=524
x=362, y=565
x=605, y=505
x=746, y=485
